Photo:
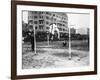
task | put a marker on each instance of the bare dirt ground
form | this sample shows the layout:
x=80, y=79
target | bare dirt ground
x=53, y=56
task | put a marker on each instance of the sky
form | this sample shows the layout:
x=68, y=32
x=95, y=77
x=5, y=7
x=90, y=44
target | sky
x=79, y=21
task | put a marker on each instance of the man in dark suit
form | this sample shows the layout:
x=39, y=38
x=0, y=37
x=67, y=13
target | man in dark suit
x=31, y=34
x=64, y=43
x=32, y=42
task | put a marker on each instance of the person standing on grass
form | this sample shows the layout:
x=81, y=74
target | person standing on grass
x=64, y=43
x=31, y=33
x=32, y=42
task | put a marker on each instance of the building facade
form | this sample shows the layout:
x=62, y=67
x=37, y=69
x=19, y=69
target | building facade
x=42, y=20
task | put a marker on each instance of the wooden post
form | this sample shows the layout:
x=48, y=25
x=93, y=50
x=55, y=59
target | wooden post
x=34, y=41
x=69, y=45
x=48, y=38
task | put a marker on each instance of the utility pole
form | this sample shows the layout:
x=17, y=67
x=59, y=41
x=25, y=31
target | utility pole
x=70, y=56
x=34, y=40
x=48, y=38
x=70, y=53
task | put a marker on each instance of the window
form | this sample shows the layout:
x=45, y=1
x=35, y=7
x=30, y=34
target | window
x=41, y=21
x=53, y=14
x=65, y=19
x=31, y=21
x=55, y=19
x=40, y=26
x=63, y=25
x=47, y=17
x=32, y=12
x=57, y=16
x=40, y=12
x=48, y=13
x=41, y=17
x=35, y=22
x=60, y=29
x=60, y=24
x=47, y=22
x=30, y=17
x=35, y=12
x=36, y=27
x=35, y=17
x=63, y=29
x=31, y=27
x=47, y=27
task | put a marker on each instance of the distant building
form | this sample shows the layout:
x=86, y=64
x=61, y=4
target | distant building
x=88, y=31
x=83, y=31
x=42, y=20
x=72, y=30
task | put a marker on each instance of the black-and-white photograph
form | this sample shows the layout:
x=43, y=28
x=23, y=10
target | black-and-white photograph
x=55, y=39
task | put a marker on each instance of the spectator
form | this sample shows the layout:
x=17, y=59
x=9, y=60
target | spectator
x=31, y=34
x=64, y=43
x=32, y=42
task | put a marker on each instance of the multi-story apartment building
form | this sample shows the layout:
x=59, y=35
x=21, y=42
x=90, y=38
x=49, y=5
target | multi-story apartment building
x=42, y=20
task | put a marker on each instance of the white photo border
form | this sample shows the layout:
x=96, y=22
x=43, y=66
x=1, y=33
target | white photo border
x=21, y=71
